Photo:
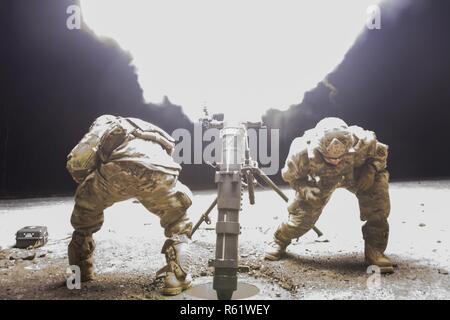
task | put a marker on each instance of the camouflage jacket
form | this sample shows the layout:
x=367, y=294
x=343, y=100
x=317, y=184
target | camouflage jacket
x=305, y=165
x=112, y=138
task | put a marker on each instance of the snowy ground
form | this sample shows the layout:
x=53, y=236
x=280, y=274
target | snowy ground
x=332, y=267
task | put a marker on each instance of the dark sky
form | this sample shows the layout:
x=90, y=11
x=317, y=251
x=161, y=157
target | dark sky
x=54, y=82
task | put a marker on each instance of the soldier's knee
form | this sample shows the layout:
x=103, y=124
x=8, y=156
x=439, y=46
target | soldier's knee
x=304, y=224
x=303, y=213
x=178, y=196
x=383, y=177
x=380, y=222
x=299, y=206
x=303, y=207
x=86, y=220
x=185, y=200
x=375, y=205
x=291, y=229
x=375, y=210
x=184, y=195
x=299, y=221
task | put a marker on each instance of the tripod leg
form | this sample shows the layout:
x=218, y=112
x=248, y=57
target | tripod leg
x=250, y=187
x=318, y=232
x=204, y=217
x=271, y=184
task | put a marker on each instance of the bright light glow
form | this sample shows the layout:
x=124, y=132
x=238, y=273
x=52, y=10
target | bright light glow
x=240, y=57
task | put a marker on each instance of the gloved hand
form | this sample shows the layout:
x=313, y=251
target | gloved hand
x=310, y=194
x=366, y=177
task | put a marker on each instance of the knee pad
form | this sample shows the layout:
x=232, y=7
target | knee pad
x=184, y=195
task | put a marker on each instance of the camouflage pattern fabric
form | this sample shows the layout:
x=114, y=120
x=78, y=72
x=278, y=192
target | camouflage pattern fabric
x=118, y=159
x=159, y=192
x=306, y=168
x=112, y=138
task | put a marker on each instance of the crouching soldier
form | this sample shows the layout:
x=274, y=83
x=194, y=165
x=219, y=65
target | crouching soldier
x=122, y=158
x=330, y=156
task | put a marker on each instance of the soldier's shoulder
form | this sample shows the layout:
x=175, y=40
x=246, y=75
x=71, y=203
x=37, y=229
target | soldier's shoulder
x=361, y=134
x=299, y=151
x=103, y=120
x=106, y=118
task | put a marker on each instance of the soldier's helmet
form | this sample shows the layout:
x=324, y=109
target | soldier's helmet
x=334, y=137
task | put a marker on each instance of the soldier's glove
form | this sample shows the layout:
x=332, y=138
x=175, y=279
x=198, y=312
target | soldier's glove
x=366, y=177
x=310, y=194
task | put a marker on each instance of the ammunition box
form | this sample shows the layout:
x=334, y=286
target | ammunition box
x=31, y=236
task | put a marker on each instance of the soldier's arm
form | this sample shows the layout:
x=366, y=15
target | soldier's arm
x=379, y=160
x=375, y=152
x=295, y=169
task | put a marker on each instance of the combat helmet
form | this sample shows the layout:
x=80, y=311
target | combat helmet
x=333, y=138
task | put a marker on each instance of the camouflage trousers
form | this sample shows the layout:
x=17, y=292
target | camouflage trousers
x=374, y=207
x=159, y=192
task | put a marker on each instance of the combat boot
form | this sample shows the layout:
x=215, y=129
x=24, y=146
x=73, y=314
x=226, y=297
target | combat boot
x=178, y=260
x=377, y=258
x=276, y=249
x=81, y=253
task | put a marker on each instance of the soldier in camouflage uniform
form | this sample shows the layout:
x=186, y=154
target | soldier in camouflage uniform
x=330, y=156
x=123, y=158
